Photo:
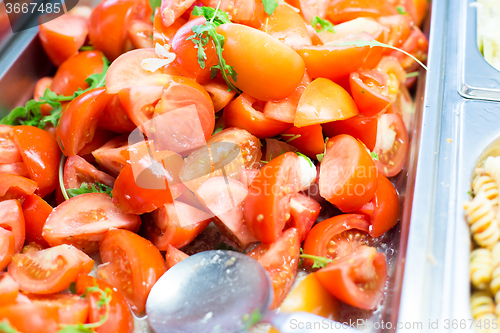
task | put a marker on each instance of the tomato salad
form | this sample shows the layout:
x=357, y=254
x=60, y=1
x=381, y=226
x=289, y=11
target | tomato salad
x=276, y=124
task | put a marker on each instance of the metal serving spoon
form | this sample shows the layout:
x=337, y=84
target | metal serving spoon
x=226, y=292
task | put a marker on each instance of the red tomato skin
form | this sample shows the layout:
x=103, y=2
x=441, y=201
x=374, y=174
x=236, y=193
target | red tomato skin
x=266, y=207
x=120, y=319
x=72, y=74
x=7, y=244
x=390, y=166
x=79, y=122
x=304, y=211
x=71, y=309
x=345, y=10
x=40, y=319
x=360, y=127
x=309, y=139
x=369, y=100
x=40, y=87
x=15, y=187
x=35, y=211
x=12, y=219
x=9, y=289
x=114, y=117
x=41, y=156
x=174, y=256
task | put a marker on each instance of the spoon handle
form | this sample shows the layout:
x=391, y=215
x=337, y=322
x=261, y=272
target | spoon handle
x=303, y=322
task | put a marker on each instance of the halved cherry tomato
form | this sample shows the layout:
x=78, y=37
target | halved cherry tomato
x=337, y=236
x=360, y=127
x=12, y=219
x=225, y=197
x=78, y=171
x=309, y=139
x=310, y=296
x=9, y=289
x=71, y=75
x=163, y=34
x=29, y=317
x=392, y=144
x=383, y=209
x=220, y=94
x=9, y=152
x=370, y=91
x=186, y=50
x=79, y=122
x=271, y=71
x=120, y=318
x=132, y=264
x=337, y=62
x=115, y=118
x=281, y=260
x=174, y=256
x=15, y=187
x=345, y=10
x=175, y=224
x=71, y=309
x=35, y=211
x=324, y=101
x=140, y=34
x=40, y=154
x=267, y=206
x=49, y=271
x=41, y=85
x=109, y=23
x=62, y=37
x=243, y=112
x=7, y=244
x=288, y=26
x=304, y=211
x=83, y=220
x=357, y=279
x=348, y=176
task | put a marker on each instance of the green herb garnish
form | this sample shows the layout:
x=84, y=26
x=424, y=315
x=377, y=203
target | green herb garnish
x=270, y=6
x=401, y=10
x=374, y=156
x=322, y=25
x=89, y=188
x=319, y=262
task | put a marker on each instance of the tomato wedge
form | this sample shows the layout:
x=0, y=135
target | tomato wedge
x=132, y=264
x=29, y=317
x=304, y=211
x=309, y=139
x=78, y=171
x=9, y=153
x=357, y=279
x=267, y=206
x=120, y=318
x=348, y=176
x=392, y=144
x=281, y=260
x=174, y=256
x=12, y=219
x=288, y=26
x=370, y=91
x=71, y=309
x=14, y=186
x=49, y=271
x=41, y=156
x=337, y=236
x=9, y=289
x=175, y=224
x=345, y=10
x=79, y=122
x=163, y=34
x=115, y=118
x=6, y=247
x=360, y=127
x=83, y=220
x=220, y=94
x=35, y=211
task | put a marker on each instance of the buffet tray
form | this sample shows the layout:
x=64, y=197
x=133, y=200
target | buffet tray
x=408, y=246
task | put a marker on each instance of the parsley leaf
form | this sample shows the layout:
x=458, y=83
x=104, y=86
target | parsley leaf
x=401, y=10
x=270, y=6
x=374, y=156
x=319, y=262
x=89, y=188
x=6, y=328
x=215, y=16
x=154, y=4
x=324, y=25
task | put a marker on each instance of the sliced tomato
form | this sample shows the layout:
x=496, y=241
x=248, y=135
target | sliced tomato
x=383, y=209
x=220, y=94
x=29, y=317
x=309, y=139
x=175, y=224
x=71, y=309
x=16, y=168
x=139, y=103
x=421, y=10
x=115, y=118
x=370, y=91
x=337, y=236
x=79, y=122
x=7, y=244
x=15, y=187
x=345, y=10
x=360, y=127
x=357, y=279
x=348, y=176
x=9, y=289
x=100, y=138
x=12, y=219
x=304, y=211
x=9, y=153
x=392, y=144
x=281, y=261
x=132, y=264
x=267, y=206
x=83, y=220
x=354, y=27
x=109, y=23
x=41, y=85
x=163, y=34
x=120, y=318
x=399, y=27
x=247, y=176
x=126, y=71
x=174, y=256
x=72, y=73
x=171, y=10
x=288, y=26
x=417, y=45
x=78, y=171
x=49, y=271
x=244, y=112
x=62, y=37
x=40, y=154
x=275, y=148
x=140, y=34
x=35, y=211
x=224, y=197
